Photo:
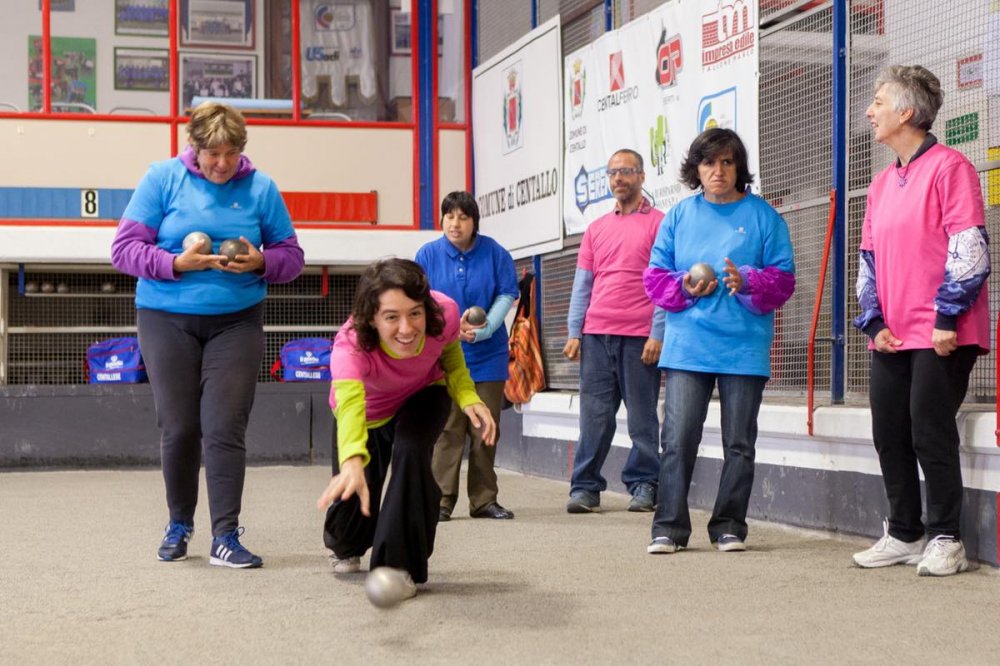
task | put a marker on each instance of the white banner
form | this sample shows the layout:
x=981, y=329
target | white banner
x=653, y=86
x=517, y=143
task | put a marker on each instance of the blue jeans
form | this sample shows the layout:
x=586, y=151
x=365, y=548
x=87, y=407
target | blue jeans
x=689, y=394
x=611, y=370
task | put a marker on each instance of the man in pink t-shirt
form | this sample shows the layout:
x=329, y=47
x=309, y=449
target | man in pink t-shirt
x=615, y=334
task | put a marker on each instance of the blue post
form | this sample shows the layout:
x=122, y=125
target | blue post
x=840, y=111
x=474, y=37
x=474, y=48
x=425, y=128
x=609, y=15
x=534, y=14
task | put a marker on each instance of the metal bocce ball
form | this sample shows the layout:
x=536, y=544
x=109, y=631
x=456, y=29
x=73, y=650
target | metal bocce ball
x=476, y=316
x=701, y=272
x=196, y=237
x=232, y=247
x=385, y=587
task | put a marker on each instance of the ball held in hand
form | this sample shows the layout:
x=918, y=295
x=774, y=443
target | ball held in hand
x=232, y=247
x=196, y=237
x=701, y=272
x=476, y=316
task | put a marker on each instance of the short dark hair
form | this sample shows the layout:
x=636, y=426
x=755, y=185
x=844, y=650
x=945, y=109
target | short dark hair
x=464, y=202
x=380, y=277
x=628, y=151
x=709, y=145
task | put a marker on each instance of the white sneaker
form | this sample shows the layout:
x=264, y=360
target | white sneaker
x=890, y=550
x=348, y=565
x=944, y=556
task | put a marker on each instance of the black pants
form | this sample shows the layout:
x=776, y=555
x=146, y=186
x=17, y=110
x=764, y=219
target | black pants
x=915, y=396
x=401, y=531
x=203, y=371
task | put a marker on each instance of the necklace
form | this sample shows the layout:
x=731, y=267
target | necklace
x=901, y=176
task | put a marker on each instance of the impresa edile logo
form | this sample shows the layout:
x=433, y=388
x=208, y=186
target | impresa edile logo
x=726, y=32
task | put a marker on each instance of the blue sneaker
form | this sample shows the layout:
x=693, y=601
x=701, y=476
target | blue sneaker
x=174, y=546
x=227, y=551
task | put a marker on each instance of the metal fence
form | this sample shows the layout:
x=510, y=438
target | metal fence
x=61, y=311
x=796, y=131
x=950, y=42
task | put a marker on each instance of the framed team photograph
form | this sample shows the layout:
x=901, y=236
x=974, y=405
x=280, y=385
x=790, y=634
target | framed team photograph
x=60, y=5
x=142, y=69
x=401, y=33
x=213, y=75
x=147, y=18
x=217, y=23
x=400, y=40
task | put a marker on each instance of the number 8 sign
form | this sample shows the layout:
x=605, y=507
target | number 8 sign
x=89, y=204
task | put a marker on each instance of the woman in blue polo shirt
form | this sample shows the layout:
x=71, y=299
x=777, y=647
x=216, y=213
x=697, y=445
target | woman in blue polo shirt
x=474, y=270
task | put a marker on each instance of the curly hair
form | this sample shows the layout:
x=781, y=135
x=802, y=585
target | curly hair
x=380, y=277
x=709, y=145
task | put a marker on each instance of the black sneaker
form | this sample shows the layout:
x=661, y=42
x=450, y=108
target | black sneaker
x=643, y=498
x=227, y=551
x=174, y=546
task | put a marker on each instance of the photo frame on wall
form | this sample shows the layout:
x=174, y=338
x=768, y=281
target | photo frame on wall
x=60, y=5
x=148, y=18
x=142, y=69
x=214, y=75
x=401, y=33
x=217, y=23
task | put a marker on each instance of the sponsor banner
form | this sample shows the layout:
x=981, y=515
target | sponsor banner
x=517, y=142
x=653, y=86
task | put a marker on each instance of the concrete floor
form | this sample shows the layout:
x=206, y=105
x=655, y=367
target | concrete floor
x=79, y=583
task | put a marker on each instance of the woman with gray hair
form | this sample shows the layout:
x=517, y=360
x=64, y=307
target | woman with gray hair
x=927, y=320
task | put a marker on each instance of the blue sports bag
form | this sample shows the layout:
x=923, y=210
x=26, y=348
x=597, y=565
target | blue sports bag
x=115, y=361
x=304, y=360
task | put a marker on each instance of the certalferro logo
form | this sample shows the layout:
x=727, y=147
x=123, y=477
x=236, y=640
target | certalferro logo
x=620, y=93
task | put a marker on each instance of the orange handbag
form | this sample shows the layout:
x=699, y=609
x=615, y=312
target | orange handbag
x=527, y=373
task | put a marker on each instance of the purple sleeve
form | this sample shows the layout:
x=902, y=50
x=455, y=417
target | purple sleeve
x=283, y=260
x=134, y=252
x=665, y=289
x=766, y=289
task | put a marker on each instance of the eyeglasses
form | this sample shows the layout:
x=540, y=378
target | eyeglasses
x=625, y=171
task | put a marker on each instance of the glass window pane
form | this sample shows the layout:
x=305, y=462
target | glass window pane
x=451, y=61
x=22, y=68
x=400, y=42
x=355, y=59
